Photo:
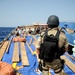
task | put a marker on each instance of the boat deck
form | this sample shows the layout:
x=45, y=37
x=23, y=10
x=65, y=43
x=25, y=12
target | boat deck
x=22, y=54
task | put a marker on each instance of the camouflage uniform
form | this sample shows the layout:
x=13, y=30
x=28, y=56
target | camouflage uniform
x=56, y=63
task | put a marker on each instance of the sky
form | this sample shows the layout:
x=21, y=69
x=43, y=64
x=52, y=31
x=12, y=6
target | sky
x=15, y=13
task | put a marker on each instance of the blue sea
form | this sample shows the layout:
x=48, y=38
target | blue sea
x=4, y=31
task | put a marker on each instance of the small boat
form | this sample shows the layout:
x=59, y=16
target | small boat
x=21, y=55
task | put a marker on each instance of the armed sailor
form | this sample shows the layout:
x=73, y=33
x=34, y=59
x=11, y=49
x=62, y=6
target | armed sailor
x=51, y=45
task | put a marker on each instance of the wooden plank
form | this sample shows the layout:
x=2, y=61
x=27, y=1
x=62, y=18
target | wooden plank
x=9, y=45
x=15, y=57
x=24, y=57
x=2, y=44
x=34, y=37
x=18, y=73
x=35, y=40
x=70, y=56
x=70, y=30
x=3, y=48
x=30, y=41
x=5, y=45
x=29, y=47
x=69, y=63
x=63, y=73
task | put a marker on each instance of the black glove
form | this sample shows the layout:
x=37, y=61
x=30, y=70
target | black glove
x=40, y=66
x=70, y=49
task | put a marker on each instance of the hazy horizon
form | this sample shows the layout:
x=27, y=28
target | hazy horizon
x=15, y=13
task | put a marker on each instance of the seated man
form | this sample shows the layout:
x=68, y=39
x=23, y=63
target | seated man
x=29, y=31
x=19, y=39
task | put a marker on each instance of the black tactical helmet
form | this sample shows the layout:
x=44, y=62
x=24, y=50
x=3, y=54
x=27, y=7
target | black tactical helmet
x=53, y=21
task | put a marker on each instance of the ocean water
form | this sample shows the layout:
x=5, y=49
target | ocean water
x=4, y=31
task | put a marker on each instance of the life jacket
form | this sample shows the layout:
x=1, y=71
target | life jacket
x=6, y=69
